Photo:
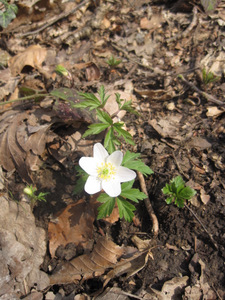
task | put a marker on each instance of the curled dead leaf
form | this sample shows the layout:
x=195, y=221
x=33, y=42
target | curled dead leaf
x=104, y=255
x=73, y=225
x=33, y=56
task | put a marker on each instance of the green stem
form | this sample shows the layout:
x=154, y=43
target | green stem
x=24, y=98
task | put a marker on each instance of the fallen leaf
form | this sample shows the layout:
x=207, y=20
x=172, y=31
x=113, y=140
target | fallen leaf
x=172, y=288
x=104, y=255
x=214, y=111
x=33, y=56
x=92, y=72
x=73, y=225
x=204, y=197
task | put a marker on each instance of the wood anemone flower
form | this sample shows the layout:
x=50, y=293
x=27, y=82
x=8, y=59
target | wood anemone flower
x=105, y=171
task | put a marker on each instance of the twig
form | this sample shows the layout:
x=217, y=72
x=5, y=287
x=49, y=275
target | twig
x=54, y=20
x=130, y=58
x=155, y=223
x=178, y=166
x=187, y=30
x=209, y=97
x=203, y=226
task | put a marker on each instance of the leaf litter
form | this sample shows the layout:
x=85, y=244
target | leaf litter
x=184, y=138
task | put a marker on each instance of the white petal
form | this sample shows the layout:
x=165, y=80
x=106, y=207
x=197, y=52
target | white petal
x=112, y=188
x=115, y=158
x=99, y=152
x=89, y=165
x=92, y=185
x=124, y=174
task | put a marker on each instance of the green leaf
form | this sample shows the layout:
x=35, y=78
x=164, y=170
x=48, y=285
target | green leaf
x=178, y=181
x=132, y=194
x=118, y=100
x=91, y=101
x=125, y=209
x=169, y=200
x=125, y=134
x=95, y=129
x=178, y=192
x=82, y=178
x=179, y=202
x=130, y=156
x=64, y=94
x=166, y=190
x=187, y=193
x=8, y=15
x=109, y=141
x=107, y=207
x=102, y=95
x=128, y=107
x=104, y=117
x=88, y=104
x=131, y=161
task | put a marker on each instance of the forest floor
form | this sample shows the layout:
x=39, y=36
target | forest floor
x=172, y=62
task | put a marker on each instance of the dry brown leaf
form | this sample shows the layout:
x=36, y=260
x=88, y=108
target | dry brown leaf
x=114, y=217
x=204, y=197
x=19, y=146
x=37, y=141
x=153, y=23
x=214, y=111
x=113, y=293
x=167, y=127
x=171, y=288
x=73, y=225
x=33, y=56
x=161, y=95
x=17, y=154
x=130, y=266
x=92, y=72
x=104, y=255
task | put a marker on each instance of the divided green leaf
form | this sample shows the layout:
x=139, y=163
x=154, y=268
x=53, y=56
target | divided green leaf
x=131, y=160
x=121, y=132
x=107, y=207
x=95, y=129
x=125, y=209
x=132, y=194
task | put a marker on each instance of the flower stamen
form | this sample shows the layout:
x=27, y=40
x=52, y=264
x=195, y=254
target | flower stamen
x=106, y=171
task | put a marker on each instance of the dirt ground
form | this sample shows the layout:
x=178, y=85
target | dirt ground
x=168, y=51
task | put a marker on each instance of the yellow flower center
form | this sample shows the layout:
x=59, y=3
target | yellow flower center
x=106, y=171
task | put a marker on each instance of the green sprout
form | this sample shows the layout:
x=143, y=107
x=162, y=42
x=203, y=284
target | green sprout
x=113, y=62
x=9, y=13
x=62, y=71
x=177, y=191
x=208, y=77
x=30, y=191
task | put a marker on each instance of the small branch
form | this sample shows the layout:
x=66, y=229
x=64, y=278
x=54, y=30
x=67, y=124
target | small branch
x=155, y=223
x=203, y=226
x=54, y=20
x=209, y=97
x=188, y=29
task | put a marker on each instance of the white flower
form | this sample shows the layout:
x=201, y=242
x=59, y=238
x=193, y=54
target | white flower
x=105, y=171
